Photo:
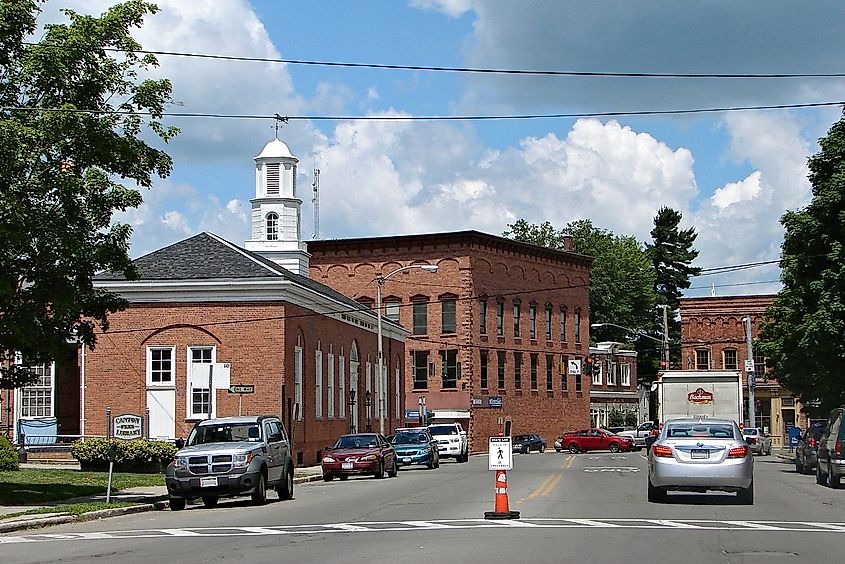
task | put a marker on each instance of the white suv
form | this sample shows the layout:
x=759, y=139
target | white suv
x=451, y=441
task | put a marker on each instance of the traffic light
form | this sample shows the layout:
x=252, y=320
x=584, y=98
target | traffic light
x=663, y=365
x=589, y=365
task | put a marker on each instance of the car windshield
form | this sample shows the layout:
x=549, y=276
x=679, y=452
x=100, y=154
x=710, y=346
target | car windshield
x=409, y=439
x=700, y=430
x=443, y=430
x=357, y=441
x=750, y=431
x=229, y=433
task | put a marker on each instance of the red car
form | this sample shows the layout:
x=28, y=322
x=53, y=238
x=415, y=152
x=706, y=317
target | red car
x=594, y=439
x=357, y=454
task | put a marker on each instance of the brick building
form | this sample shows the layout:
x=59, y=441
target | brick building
x=713, y=338
x=206, y=314
x=613, y=386
x=492, y=331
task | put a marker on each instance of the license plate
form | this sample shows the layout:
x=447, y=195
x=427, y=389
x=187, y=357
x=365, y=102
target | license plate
x=697, y=453
x=406, y=460
x=346, y=466
x=208, y=482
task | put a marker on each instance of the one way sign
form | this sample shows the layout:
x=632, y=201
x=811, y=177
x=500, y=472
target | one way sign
x=500, y=455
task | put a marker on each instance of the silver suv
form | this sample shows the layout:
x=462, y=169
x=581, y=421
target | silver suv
x=231, y=456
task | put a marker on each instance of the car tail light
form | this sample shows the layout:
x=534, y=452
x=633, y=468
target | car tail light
x=662, y=451
x=837, y=448
x=812, y=442
x=738, y=452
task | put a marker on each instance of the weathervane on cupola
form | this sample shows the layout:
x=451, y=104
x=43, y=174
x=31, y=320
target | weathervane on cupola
x=276, y=225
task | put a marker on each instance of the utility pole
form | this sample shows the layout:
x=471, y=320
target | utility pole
x=752, y=379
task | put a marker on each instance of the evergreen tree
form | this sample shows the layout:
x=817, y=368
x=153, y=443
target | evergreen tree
x=72, y=114
x=803, y=336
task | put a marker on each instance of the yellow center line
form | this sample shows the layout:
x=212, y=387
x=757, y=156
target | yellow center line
x=552, y=485
x=539, y=488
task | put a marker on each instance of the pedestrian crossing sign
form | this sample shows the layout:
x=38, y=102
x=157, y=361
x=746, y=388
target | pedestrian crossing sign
x=500, y=454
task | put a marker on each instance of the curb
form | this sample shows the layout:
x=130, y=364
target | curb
x=38, y=522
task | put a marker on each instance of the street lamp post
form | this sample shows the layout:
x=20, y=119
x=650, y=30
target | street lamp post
x=368, y=401
x=380, y=280
x=351, y=411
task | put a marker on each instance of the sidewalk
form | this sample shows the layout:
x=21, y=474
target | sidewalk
x=147, y=498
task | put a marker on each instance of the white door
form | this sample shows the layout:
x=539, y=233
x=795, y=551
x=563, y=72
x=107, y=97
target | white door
x=162, y=406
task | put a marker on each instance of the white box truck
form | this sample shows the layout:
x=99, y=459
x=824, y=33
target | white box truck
x=700, y=393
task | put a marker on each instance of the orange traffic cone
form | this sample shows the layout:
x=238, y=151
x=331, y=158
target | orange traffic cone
x=500, y=505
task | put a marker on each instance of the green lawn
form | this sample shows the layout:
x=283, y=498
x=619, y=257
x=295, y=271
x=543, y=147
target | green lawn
x=39, y=486
x=75, y=508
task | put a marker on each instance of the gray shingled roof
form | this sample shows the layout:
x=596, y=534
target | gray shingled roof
x=208, y=257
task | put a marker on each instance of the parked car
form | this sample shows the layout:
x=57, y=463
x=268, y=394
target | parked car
x=808, y=444
x=359, y=454
x=762, y=441
x=231, y=456
x=415, y=446
x=642, y=431
x=593, y=439
x=451, y=441
x=700, y=455
x=830, y=464
x=528, y=443
x=614, y=430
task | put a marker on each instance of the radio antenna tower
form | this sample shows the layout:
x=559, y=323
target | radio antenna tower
x=315, y=186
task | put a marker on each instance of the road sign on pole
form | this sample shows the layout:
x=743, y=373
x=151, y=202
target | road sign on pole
x=500, y=455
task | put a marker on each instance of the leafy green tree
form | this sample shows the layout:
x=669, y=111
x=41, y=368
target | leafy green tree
x=621, y=278
x=671, y=253
x=73, y=111
x=803, y=336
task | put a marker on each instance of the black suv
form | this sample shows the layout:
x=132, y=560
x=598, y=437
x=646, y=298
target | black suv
x=231, y=456
x=831, y=457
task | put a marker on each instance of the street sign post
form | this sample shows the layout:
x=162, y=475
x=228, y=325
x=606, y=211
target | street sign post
x=500, y=454
x=500, y=459
x=241, y=389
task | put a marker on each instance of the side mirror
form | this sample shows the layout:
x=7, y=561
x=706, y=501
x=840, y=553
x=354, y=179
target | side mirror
x=650, y=440
x=180, y=443
x=463, y=433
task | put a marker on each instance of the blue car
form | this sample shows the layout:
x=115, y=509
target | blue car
x=415, y=446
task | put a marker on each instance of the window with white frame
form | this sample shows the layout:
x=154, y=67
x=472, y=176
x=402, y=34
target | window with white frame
x=330, y=398
x=272, y=226
x=273, y=178
x=36, y=400
x=397, y=392
x=341, y=386
x=160, y=363
x=577, y=324
x=297, y=381
x=199, y=396
x=611, y=373
x=391, y=311
x=597, y=374
x=318, y=384
x=625, y=374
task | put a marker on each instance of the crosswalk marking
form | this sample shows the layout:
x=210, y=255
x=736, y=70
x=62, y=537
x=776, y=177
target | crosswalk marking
x=375, y=527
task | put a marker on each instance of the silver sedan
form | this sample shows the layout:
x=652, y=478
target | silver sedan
x=761, y=443
x=699, y=455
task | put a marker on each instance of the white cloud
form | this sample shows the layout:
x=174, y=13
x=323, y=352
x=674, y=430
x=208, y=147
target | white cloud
x=453, y=8
x=734, y=192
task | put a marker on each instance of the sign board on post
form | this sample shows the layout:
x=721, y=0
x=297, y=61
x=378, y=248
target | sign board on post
x=500, y=455
x=128, y=426
x=749, y=366
x=573, y=366
x=242, y=389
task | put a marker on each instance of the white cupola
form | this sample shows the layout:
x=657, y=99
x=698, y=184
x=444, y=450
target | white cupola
x=276, y=224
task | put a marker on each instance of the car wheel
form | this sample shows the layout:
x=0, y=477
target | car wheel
x=259, y=496
x=557, y=449
x=527, y=449
x=210, y=501
x=392, y=473
x=343, y=477
x=328, y=477
x=285, y=489
x=820, y=478
x=177, y=503
x=799, y=467
x=832, y=480
x=614, y=447
x=437, y=461
x=573, y=448
x=542, y=448
x=746, y=496
x=655, y=494
x=380, y=472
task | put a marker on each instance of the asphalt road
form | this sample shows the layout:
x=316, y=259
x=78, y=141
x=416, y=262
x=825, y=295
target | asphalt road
x=575, y=508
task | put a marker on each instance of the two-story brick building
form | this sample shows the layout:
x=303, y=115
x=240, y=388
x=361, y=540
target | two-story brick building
x=492, y=331
x=713, y=337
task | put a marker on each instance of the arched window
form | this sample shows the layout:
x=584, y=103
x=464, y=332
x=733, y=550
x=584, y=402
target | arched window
x=272, y=226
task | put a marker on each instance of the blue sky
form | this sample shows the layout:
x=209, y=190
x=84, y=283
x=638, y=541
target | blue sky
x=732, y=175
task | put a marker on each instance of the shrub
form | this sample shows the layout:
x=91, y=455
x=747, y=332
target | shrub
x=8, y=455
x=137, y=452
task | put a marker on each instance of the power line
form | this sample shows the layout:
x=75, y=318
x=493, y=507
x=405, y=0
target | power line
x=409, y=118
x=480, y=70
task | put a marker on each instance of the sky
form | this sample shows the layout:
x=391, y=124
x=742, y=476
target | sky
x=731, y=174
